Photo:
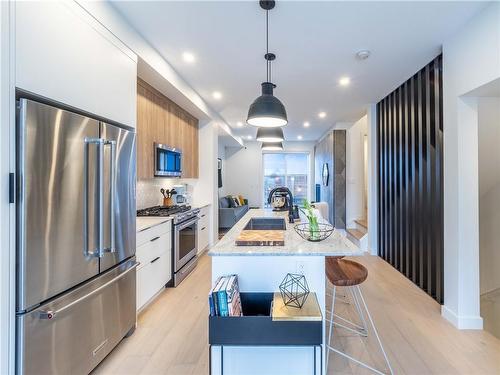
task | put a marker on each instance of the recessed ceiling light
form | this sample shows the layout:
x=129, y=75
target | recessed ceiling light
x=322, y=114
x=239, y=123
x=188, y=57
x=363, y=54
x=216, y=95
x=306, y=124
x=344, y=81
x=249, y=137
x=299, y=137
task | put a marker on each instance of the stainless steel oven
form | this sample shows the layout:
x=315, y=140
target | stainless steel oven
x=185, y=248
x=168, y=161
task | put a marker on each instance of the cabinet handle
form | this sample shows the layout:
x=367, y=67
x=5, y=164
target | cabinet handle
x=155, y=259
x=203, y=215
x=154, y=239
x=203, y=228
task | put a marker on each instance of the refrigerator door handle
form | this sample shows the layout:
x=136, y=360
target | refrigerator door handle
x=112, y=193
x=100, y=193
x=51, y=314
x=86, y=251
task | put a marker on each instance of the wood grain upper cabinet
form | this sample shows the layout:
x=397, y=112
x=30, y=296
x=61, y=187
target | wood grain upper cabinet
x=160, y=120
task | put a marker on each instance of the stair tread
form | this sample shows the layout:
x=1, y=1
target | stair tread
x=362, y=222
x=356, y=233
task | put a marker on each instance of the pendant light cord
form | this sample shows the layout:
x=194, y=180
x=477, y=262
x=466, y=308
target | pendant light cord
x=268, y=62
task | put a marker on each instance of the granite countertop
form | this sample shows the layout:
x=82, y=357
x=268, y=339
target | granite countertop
x=336, y=245
x=145, y=222
x=200, y=204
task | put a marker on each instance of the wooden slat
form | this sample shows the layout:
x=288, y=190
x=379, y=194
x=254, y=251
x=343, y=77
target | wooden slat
x=410, y=179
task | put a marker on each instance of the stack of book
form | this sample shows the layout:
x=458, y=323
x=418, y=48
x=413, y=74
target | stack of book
x=224, y=298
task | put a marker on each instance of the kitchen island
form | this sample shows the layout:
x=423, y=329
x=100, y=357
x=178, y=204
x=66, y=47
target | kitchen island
x=261, y=269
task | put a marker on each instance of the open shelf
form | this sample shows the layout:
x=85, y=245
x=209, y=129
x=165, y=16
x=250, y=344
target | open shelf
x=256, y=326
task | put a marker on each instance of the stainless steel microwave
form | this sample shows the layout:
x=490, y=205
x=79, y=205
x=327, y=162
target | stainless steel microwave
x=168, y=161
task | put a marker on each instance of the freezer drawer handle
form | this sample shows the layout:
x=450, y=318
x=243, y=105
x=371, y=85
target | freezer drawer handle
x=49, y=314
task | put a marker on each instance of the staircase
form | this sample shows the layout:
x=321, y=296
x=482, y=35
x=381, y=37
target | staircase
x=358, y=233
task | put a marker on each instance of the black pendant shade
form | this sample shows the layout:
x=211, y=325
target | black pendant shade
x=270, y=134
x=267, y=111
x=272, y=146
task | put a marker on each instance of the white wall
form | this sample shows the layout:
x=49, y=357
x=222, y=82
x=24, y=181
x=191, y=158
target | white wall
x=371, y=119
x=244, y=174
x=471, y=58
x=489, y=193
x=355, y=170
x=7, y=260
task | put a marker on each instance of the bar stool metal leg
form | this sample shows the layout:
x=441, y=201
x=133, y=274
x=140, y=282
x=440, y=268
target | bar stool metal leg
x=360, y=304
x=331, y=326
x=351, y=326
x=374, y=329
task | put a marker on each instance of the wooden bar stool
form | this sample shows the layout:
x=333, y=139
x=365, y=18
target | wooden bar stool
x=349, y=274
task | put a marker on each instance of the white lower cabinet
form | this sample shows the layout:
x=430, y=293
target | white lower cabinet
x=155, y=257
x=204, y=228
x=151, y=278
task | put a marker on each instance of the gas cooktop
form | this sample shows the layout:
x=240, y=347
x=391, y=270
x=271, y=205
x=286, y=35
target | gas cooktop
x=163, y=211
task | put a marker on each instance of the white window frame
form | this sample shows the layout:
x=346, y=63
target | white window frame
x=310, y=176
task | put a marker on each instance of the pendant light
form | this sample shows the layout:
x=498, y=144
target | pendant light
x=267, y=111
x=270, y=134
x=272, y=146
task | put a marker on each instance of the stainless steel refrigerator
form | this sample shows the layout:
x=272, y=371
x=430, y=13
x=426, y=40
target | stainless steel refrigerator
x=76, y=263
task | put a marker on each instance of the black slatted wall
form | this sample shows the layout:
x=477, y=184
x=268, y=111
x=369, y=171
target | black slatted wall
x=410, y=179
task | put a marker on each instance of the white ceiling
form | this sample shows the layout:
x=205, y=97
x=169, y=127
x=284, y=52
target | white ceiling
x=315, y=44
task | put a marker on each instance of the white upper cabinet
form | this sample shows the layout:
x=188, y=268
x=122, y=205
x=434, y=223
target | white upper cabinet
x=64, y=54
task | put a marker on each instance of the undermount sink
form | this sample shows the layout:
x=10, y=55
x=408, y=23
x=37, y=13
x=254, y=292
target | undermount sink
x=266, y=223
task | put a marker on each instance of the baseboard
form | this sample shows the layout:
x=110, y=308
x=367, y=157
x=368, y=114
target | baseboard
x=461, y=322
x=372, y=251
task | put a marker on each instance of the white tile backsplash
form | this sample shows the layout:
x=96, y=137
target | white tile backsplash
x=148, y=191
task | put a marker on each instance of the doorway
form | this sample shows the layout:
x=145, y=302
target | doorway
x=488, y=111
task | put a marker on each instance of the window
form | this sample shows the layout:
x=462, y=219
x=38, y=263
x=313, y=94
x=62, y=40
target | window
x=287, y=169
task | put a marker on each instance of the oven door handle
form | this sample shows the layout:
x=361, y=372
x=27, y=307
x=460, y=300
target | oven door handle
x=187, y=224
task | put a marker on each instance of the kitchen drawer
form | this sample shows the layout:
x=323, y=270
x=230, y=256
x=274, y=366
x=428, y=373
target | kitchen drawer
x=203, y=237
x=152, y=277
x=162, y=243
x=204, y=216
x=148, y=234
x=84, y=325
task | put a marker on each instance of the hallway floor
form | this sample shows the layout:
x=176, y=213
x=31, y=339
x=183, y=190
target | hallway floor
x=171, y=337
x=490, y=311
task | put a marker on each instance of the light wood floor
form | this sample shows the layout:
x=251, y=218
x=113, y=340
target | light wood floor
x=490, y=311
x=171, y=337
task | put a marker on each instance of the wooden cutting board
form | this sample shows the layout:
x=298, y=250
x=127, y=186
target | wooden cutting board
x=261, y=238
